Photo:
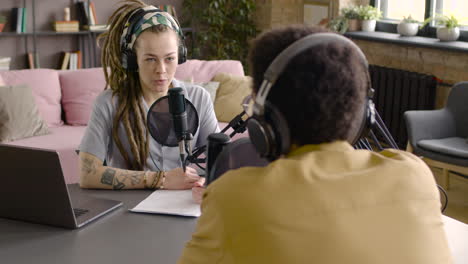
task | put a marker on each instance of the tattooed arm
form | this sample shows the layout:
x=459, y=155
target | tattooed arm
x=95, y=175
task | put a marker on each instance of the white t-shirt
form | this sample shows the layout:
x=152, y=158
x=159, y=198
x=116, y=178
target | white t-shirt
x=98, y=140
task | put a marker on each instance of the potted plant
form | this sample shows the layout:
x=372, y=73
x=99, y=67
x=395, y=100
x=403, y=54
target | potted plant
x=408, y=26
x=448, y=29
x=369, y=15
x=2, y=22
x=352, y=15
x=223, y=28
x=338, y=24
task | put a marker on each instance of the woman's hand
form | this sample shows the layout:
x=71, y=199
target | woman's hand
x=198, y=190
x=176, y=179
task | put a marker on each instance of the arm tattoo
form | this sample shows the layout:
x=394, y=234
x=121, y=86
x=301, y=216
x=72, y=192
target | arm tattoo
x=88, y=166
x=119, y=185
x=108, y=177
x=133, y=176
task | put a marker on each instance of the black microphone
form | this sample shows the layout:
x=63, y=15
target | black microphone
x=216, y=144
x=177, y=109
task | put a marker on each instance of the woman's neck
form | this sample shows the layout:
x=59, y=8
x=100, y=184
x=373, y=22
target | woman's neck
x=151, y=97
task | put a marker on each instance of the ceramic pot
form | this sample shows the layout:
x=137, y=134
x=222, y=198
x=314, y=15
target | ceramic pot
x=1, y=27
x=448, y=34
x=354, y=25
x=407, y=29
x=368, y=25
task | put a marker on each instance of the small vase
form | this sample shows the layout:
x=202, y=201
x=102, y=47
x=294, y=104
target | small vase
x=368, y=25
x=407, y=29
x=354, y=25
x=1, y=27
x=448, y=34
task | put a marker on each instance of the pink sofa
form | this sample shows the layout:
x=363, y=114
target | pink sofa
x=64, y=99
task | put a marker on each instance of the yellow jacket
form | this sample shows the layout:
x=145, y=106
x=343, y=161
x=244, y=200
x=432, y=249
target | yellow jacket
x=324, y=203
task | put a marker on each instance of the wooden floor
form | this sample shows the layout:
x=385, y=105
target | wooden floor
x=457, y=194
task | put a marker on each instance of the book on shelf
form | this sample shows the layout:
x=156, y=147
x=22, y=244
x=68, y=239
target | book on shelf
x=96, y=27
x=66, y=26
x=5, y=63
x=33, y=60
x=23, y=19
x=92, y=14
x=37, y=65
x=82, y=13
x=71, y=60
x=17, y=19
x=65, y=60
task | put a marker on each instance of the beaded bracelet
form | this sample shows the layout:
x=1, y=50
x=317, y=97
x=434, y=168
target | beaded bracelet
x=155, y=180
x=145, y=175
x=163, y=179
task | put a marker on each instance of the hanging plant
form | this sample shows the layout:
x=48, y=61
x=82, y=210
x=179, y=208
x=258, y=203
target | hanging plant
x=222, y=27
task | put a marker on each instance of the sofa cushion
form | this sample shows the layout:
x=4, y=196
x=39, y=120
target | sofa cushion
x=210, y=87
x=65, y=140
x=46, y=90
x=79, y=90
x=19, y=117
x=204, y=71
x=231, y=92
x=453, y=146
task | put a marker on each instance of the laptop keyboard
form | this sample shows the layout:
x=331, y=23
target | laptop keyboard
x=79, y=212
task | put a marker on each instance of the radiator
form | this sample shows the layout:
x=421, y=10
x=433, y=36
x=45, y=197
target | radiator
x=397, y=91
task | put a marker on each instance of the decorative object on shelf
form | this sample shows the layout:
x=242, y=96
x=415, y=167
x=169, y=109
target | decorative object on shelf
x=408, y=26
x=3, y=21
x=66, y=26
x=66, y=14
x=368, y=16
x=223, y=28
x=351, y=14
x=449, y=26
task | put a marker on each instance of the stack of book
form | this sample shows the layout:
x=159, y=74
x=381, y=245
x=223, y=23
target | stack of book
x=5, y=63
x=18, y=19
x=71, y=60
x=66, y=26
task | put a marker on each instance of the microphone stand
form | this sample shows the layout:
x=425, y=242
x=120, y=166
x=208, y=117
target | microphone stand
x=238, y=125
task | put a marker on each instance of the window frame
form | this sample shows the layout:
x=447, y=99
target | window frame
x=429, y=31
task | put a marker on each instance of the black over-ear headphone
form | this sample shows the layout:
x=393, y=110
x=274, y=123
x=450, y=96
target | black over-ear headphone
x=268, y=129
x=129, y=59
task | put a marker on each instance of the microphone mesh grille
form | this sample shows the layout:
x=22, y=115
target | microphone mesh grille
x=160, y=123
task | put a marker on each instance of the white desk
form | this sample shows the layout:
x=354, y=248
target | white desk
x=457, y=235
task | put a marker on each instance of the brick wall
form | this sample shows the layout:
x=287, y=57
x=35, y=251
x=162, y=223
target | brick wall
x=274, y=13
x=450, y=66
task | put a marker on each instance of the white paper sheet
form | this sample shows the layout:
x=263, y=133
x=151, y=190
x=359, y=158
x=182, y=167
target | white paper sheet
x=173, y=202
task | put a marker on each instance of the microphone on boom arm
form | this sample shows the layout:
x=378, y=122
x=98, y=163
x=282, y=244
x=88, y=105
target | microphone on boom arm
x=238, y=125
x=179, y=117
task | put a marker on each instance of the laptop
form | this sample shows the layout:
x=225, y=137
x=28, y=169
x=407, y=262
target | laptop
x=33, y=189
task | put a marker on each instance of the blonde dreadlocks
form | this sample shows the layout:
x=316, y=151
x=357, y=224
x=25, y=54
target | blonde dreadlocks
x=126, y=86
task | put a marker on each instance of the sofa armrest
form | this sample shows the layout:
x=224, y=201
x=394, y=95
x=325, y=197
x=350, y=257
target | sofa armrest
x=432, y=124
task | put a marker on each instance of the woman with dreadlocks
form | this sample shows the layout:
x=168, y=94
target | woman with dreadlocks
x=140, y=55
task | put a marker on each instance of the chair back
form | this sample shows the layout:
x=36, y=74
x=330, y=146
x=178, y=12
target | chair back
x=457, y=104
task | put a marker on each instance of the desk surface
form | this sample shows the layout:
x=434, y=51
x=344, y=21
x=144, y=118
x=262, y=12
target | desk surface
x=118, y=237
x=125, y=237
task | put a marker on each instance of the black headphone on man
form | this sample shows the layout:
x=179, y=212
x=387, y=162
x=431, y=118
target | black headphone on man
x=268, y=129
x=129, y=58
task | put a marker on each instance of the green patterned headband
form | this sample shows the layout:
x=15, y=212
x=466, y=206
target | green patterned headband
x=152, y=17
